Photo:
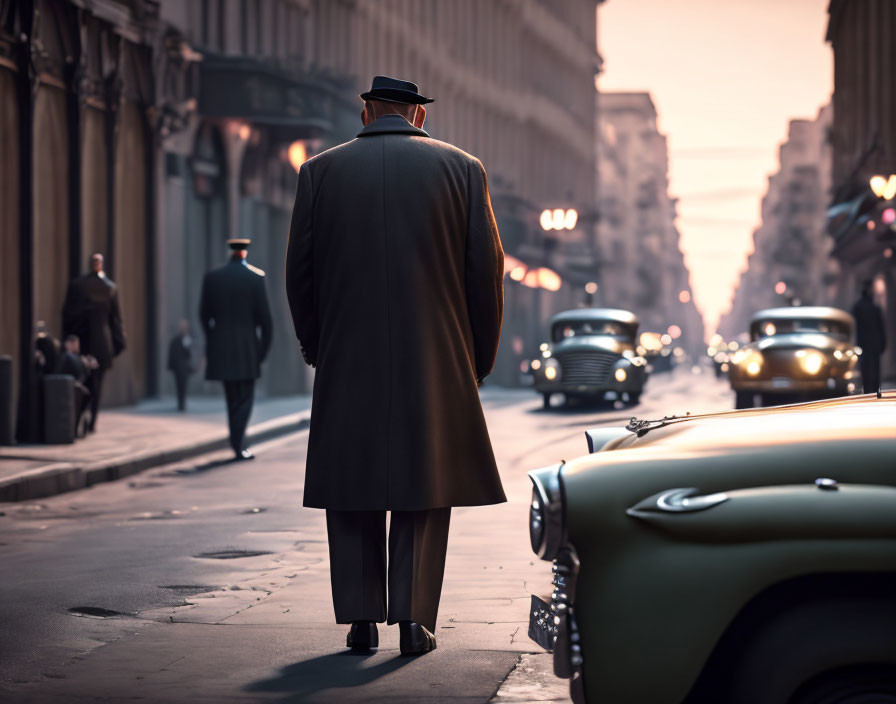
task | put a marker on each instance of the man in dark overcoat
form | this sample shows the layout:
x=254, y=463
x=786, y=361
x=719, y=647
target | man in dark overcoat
x=871, y=336
x=180, y=361
x=394, y=279
x=236, y=318
x=91, y=312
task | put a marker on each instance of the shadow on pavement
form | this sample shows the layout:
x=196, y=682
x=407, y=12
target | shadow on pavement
x=336, y=670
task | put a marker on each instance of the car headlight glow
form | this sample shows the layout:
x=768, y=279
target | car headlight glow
x=536, y=364
x=550, y=373
x=811, y=361
x=753, y=367
x=551, y=369
x=620, y=375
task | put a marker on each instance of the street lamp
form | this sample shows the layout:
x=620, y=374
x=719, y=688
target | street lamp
x=559, y=219
x=780, y=288
x=883, y=186
x=297, y=154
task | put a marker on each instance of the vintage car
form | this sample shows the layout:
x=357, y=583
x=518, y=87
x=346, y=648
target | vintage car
x=743, y=557
x=798, y=353
x=591, y=352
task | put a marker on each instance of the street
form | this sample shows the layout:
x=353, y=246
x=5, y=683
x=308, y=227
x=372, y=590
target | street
x=206, y=580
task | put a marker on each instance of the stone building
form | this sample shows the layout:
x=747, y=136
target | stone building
x=76, y=135
x=513, y=82
x=864, y=145
x=153, y=130
x=642, y=267
x=791, y=261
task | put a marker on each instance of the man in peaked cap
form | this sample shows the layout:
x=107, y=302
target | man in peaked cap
x=236, y=318
x=394, y=278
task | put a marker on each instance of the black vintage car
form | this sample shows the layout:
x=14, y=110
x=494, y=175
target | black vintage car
x=591, y=352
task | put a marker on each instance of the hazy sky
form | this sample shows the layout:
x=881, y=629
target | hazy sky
x=726, y=76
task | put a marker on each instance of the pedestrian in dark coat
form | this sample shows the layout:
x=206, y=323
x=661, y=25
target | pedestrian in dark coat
x=91, y=312
x=180, y=362
x=236, y=318
x=871, y=336
x=394, y=278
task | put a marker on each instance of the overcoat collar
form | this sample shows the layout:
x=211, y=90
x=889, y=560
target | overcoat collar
x=391, y=124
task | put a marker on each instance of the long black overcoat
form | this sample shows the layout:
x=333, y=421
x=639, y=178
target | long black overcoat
x=236, y=318
x=91, y=312
x=394, y=279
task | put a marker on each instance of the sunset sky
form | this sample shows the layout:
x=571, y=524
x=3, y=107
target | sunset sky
x=726, y=76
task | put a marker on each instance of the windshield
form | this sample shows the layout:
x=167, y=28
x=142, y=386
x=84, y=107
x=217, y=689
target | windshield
x=591, y=327
x=767, y=328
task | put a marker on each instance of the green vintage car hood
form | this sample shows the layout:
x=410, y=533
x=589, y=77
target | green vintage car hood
x=655, y=594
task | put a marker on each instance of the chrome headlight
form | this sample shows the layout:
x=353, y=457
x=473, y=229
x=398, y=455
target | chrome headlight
x=547, y=519
x=551, y=369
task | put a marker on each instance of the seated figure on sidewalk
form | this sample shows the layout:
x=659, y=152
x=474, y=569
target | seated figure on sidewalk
x=80, y=367
x=237, y=321
x=394, y=279
x=180, y=362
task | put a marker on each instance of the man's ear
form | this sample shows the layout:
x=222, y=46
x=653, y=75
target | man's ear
x=419, y=117
x=366, y=118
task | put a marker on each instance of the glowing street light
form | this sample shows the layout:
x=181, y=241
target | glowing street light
x=883, y=186
x=685, y=296
x=674, y=332
x=780, y=288
x=591, y=287
x=297, y=154
x=559, y=219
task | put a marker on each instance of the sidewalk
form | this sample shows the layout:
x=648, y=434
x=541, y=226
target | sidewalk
x=130, y=440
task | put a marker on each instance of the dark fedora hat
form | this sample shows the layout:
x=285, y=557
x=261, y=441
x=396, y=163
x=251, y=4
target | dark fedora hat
x=392, y=90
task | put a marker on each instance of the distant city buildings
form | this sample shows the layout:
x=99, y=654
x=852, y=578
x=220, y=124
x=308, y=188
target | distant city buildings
x=791, y=262
x=641, y=265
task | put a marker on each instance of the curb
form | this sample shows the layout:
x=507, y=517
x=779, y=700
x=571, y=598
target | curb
x=60, y=477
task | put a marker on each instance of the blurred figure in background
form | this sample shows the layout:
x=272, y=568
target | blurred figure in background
x=46, y=349
x=91, y=312
x=871, y=336
x=72, y=363
x=237, y=321
x=180, y=361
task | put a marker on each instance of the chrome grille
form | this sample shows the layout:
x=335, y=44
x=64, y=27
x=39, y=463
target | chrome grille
x=587, y=367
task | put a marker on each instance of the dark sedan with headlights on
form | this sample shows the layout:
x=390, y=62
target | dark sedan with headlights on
x=795, y=354
x=591, y=352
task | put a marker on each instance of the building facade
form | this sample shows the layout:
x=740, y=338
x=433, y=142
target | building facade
x=77, y=131
x=642, y=266
x=791, y=260
x=154, y=130
x=864, y=145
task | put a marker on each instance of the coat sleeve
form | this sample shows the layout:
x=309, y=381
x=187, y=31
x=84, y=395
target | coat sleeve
x=484, y=274
x=263, y=319
x=115, y=325
x=300, y=269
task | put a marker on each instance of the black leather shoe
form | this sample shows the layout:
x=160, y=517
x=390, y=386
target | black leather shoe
x=362, y=636
x=245, y=455
x=415, y=639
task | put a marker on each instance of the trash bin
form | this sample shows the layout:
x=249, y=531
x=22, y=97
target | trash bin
x=59, y=409
x=7, y=431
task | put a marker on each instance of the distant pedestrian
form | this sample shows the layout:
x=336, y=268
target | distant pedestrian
x=394, y=278
x=79, y=367
x=871, y=336
x=91, y=312
x=237, y=322
x=46, y=349
x=180, y=361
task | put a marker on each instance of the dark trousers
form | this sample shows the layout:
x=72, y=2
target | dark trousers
x=418, y=541
x=95, y=386
x=869, y=362
x=180, y=383
x=239, y=395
